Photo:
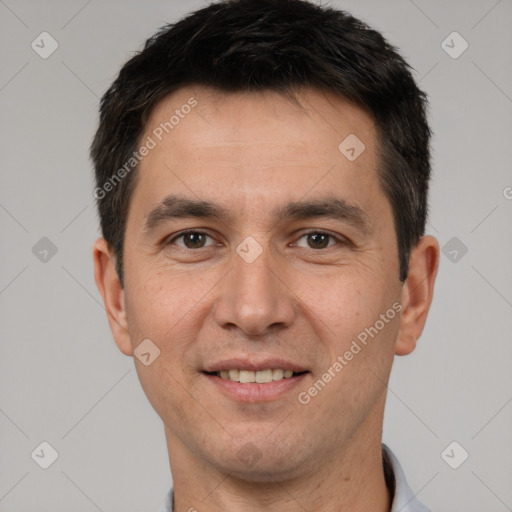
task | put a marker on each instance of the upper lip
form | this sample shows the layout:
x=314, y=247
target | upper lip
x=253, y=365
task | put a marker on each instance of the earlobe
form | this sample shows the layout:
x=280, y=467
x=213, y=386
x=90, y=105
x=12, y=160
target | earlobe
x=109, y=286
x=417, y=293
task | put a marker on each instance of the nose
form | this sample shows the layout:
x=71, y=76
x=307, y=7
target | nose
x=255, y=297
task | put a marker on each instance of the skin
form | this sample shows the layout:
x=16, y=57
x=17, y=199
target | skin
x=251, y=152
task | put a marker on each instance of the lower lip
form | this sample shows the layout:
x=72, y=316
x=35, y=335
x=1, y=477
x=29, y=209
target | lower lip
x=255, y=392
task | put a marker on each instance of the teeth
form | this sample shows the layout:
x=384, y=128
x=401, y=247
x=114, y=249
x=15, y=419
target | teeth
x=264, y=376
x=246, y=376
x=261, y=376
x=234, y=375
x=277, y=374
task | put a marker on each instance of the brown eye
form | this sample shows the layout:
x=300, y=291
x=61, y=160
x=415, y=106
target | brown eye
x=191, y=239
x=318, y=240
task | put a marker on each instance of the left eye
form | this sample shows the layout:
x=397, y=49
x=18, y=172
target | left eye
x=317, y=240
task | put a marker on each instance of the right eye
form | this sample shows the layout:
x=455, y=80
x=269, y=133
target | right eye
x=191, y=239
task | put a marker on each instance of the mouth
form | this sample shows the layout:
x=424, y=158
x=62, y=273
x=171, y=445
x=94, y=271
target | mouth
x=253, y=386
x=259, y=377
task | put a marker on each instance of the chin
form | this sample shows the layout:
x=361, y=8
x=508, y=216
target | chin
x=261, y=463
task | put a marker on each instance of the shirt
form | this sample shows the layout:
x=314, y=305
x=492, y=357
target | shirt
x=404, y=499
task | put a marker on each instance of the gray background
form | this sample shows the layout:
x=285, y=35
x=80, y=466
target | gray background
x=62, y=379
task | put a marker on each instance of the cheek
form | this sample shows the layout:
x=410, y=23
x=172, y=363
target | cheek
x=163, y=306
x=345, y=302
x=359, y=327
x=159, y=301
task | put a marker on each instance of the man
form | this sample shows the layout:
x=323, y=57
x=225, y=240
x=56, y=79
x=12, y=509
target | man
x=262, y=170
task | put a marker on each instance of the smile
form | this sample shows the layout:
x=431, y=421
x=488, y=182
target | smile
x=255, y=386
x=261, y=376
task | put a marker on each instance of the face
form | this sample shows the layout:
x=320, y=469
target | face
x=292, y=266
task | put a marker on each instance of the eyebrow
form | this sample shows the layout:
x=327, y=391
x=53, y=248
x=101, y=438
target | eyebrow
x=177, y=207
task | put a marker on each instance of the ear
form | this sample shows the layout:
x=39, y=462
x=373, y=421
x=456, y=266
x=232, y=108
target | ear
x=109, y=286
x=417, y=293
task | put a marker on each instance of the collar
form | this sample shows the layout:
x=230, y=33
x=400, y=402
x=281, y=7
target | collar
x=404, y=499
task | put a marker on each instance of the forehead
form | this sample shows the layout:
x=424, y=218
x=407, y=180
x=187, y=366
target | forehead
x=242, y=119
x=259, y=146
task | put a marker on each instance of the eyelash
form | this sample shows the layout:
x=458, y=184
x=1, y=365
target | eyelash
x=341, y=241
